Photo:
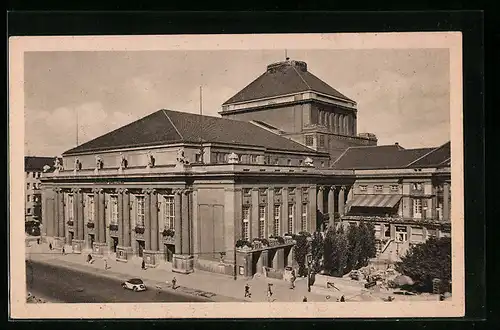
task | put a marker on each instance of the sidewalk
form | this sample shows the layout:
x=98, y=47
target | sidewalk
x=213, y=286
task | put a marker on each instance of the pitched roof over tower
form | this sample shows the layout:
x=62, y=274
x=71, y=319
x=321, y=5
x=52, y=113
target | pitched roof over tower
x=284, y=78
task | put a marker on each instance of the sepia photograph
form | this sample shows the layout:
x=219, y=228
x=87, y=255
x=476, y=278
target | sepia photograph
x=306, y=175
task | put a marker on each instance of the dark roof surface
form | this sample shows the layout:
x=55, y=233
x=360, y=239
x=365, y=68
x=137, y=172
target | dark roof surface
x=379, y=157
x=32, y=164
x=286, y=78
x=166, y=127
x=438, y=157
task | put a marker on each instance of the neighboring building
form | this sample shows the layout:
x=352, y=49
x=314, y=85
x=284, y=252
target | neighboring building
x=220, y=194
x=406, y=193
x=33, y=168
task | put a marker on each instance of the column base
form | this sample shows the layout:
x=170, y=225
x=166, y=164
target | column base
x=183, y=264
x=123, y=253
x=99, y=249
x=78, y=245
x=151, y=258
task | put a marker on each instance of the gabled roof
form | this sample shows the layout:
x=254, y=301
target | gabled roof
x=285, y=78
x=379, y=157
x=165, y=127
x=437, y=157
x=36, y=164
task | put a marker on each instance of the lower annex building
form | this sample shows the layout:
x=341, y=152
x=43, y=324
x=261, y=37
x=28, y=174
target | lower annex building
x=184, y=189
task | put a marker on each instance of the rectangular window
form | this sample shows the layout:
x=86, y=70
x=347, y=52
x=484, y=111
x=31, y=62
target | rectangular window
x=363, y=188
x=417, y=208
x=28, y=210
x=303, y=220
x=394, y=187
x=114, y=210
x=245, y=228
x=309, y=140
x=291, y=213
x=28, y=198
x=379, y=188
x=71, y=209
x=417, y=186
x=27, y=186
x=262, y=221
x=289, y=162
x=34, y=175
x=168, y=212
x=198, y=158
x=91, y=209
x=140, y=211
x=277, y=217
x=321, y=140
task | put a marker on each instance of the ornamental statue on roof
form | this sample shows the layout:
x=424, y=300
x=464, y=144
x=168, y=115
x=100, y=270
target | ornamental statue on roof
x=123, y=161
x=309, y=162
x=98, y=162
x=181, y=158
x=150, y=159
x=233, y=158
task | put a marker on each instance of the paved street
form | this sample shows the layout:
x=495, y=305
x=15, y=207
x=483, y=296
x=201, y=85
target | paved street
x=65, y=285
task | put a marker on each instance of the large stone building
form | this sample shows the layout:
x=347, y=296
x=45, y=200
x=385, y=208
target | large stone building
x=225, y=194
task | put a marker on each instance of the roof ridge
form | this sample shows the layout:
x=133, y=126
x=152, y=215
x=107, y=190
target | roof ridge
x=302, y=78
x=171, y=122
x=425, y=155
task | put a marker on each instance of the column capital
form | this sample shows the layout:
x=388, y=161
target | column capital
x=56, y=189
x=145, y=191
x=76, y=190
x=333, y=188
x=321, y=188
x=187, y=191
x=343, y=188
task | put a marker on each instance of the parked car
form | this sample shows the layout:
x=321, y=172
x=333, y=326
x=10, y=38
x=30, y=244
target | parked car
x=134, y=284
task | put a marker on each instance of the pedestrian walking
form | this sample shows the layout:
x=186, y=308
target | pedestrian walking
x=342, y=299
x=269, y=292
x=38, y=241
x=143, y=265
x=304, y=299
x=105, y=264
x=174, y=281
x=292, y=281
x=247, y=291
x=50, y=246
x=63, y=251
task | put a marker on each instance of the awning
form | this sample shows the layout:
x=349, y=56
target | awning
x=384, y=201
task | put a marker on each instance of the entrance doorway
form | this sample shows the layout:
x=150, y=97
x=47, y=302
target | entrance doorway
x=71, y=237
x=91, y=241
x=141, y=245
x=169, y=252
x=115, y=244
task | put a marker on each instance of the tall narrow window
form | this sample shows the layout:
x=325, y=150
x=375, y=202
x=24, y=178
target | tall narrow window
x=277, y=217
x=114, y=210
x=71, y=215
x=245, y=231
x=417, y=208
x=168, y=212
x=321, y=140
x=262, y=220
x=291, y=213
x=303, y=220
x=91, y=209
x=140, y=211
x=309, y=140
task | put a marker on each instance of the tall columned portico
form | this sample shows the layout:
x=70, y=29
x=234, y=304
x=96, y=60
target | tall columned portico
x=341, y=200
x=183, y=261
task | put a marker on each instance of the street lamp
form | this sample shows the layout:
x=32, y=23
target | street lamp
x=309, y=266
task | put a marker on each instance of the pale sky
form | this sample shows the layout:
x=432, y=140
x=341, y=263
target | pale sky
x=402, y=95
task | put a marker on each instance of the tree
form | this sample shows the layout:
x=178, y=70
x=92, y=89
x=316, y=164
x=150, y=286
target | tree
x=342, y=246
x=329, y=251
x=301, y=249
x=427, y=261
x=368, y=249
x=354, y=247
x=317, y=247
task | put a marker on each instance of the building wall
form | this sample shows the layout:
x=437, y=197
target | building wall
x=32, y=196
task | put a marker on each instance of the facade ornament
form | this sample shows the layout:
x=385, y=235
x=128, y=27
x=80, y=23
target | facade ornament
x=150, y=159
x=46, y=168
x=78, y=165
x=181, y=158
x=123, y=161
x=233, y=158
x=98, y=163
x=308, y=161
x=57, y=165
x=333, y=188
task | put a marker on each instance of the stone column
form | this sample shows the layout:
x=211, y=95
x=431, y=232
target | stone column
x=62, y=223
x=147, y=219
x=80, y=214
x=331, y=206
x=102, y=217
x=298, y=210
x=185, y=223
x=126, y=218
x=320, y=199
x=75, y=214
x=195, y=222
x=124, y=250
x=178, y=221
x=119, y=197
x=56, y=216
x=341, y=200
x=446, y=201
x=311, y=216
x=254, y=215
x=284, y=212
x=270, y=212
x=154, y=221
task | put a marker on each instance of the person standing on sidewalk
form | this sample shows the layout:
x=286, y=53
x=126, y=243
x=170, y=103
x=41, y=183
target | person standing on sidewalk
x=63, y=251
x=247, y=291
x=174, y=281
x=105, y=264
x=269, y=292
x=143, y=265
x=50, y=246
x=304, y=299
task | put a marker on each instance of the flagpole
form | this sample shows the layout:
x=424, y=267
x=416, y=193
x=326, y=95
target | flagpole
x=201, y=119
x=76, y=110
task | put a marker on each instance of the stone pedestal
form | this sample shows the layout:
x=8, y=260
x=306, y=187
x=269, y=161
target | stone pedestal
x=151, y=258
x=183, y=264
x=78, y=245
x=58, y=243
x=124, y=253
x=99, y=249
